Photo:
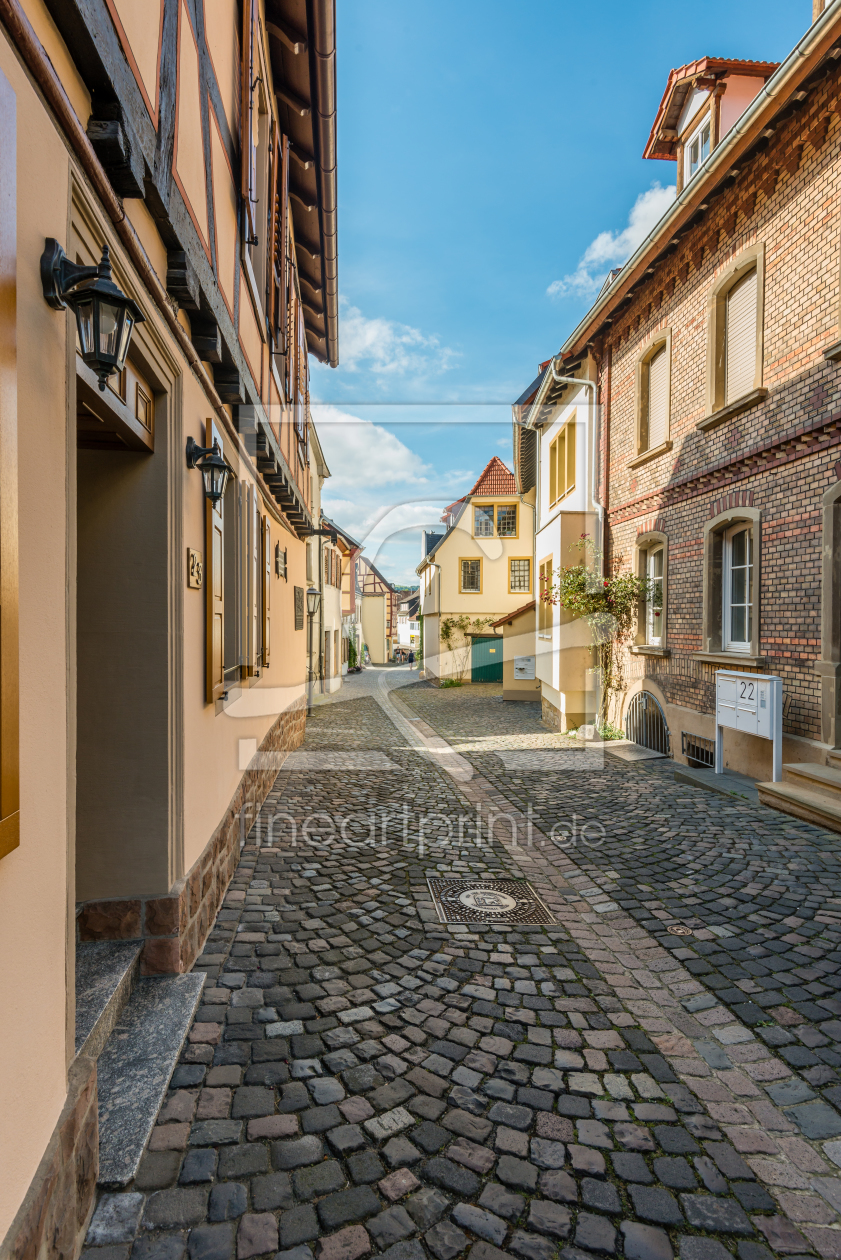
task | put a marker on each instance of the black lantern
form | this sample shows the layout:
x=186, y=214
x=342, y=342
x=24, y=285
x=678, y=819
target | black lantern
x=213, y=466
x=313, y=600
x=105, y=317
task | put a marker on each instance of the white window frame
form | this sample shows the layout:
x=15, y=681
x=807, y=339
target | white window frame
x=652, y=639
x=740, y=646
x=704, y=124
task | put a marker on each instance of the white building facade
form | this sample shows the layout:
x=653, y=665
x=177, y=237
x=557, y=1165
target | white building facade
x=556, y=437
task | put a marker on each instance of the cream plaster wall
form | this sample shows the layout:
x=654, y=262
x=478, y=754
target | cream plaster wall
x=34, y=878
x=212, y=732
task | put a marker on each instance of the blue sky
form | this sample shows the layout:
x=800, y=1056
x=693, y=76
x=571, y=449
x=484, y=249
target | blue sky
x=489, y=175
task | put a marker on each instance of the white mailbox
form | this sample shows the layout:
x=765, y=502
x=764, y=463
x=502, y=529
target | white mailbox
x=524, y=667
x=752, y=703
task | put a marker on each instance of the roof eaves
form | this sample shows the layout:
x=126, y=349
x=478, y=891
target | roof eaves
x=517, y=613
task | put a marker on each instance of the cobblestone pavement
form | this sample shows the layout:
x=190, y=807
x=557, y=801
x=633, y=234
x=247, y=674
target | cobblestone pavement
x=361, y=1079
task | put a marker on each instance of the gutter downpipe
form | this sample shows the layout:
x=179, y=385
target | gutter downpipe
x=773, y=89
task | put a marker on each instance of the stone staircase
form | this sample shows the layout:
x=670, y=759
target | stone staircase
x=135, y=1028
x=808, y=790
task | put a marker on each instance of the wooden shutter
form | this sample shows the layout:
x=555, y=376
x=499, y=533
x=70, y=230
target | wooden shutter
x=214, y=577
x=267, y=590
x=253, y=584
x=658, y=401
x=248, y=121
x=570, y=457
x=740, y=339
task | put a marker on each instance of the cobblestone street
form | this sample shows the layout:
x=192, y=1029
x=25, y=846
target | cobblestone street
x=363, y=1080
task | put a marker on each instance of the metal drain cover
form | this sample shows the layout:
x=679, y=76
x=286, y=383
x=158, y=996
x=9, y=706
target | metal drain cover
x=487, y=901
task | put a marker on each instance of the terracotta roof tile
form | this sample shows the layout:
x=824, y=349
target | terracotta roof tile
x=495, y=479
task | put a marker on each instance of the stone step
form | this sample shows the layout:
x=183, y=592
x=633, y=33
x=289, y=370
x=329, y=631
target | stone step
x=105, y=975
x=833, y=758
x=815, y=778
x=135, y=1066
x=811, y=806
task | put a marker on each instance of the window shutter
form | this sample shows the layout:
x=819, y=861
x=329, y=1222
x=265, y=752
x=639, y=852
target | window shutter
x=248, y=139
x=214, y=578
x=267, y=589
x=658, y=402
x=553, y=474
x=740, y=352
x=252, y=580
x=570, y=452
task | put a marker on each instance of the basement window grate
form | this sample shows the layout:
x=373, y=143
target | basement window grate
x=697, y=750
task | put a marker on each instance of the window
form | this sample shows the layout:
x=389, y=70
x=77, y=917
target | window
x=654, y=605
x=737, y=583
x=740, y=338
x=544, y=610
x=697, y=148
x=506, y=521
x=731, y=593
x=653, y=391
x=735, y=339
x=519, y=576
x=483, y=522
x=658, y=402
x=652, y=563
x=471, y=576
x=562, y=464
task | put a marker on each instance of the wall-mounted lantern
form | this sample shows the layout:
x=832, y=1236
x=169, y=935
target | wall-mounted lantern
x=105, y=317
x=213, y=466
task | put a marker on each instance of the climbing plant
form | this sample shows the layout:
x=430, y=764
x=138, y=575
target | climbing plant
x=610, y=604
x=461, y=626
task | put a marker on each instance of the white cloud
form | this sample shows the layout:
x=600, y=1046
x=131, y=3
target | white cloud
x=360, y=453
x=611, y=249
x=388, y=348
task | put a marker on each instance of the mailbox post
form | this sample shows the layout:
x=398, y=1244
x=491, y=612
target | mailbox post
x=752, y=703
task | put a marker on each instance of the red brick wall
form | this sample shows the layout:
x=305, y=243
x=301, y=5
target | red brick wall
x=783, y=451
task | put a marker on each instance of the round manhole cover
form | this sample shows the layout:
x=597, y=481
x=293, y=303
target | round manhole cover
x=679, y=930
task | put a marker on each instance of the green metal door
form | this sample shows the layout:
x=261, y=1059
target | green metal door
x=486, y=660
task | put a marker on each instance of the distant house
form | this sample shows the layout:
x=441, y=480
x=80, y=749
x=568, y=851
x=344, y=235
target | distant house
x=479, y=570
x=379, y=612
x=408, y=625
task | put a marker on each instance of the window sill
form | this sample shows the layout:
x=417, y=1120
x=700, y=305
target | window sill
x=729, y=658
x=732, y=409
x=833, y=353
x=645, y=456
x=648, y=649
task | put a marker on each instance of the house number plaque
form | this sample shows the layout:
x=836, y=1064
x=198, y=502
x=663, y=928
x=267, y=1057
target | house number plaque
x=195, y=569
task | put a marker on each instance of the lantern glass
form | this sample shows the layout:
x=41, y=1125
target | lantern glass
x=313, y=601
x=84, y=324
x=215, y=480
x=125, y=338
x=109, y=328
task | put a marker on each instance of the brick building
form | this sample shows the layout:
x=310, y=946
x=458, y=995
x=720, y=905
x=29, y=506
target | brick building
x=716, y=350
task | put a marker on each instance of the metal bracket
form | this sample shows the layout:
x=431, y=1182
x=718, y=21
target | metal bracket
x=59, y=274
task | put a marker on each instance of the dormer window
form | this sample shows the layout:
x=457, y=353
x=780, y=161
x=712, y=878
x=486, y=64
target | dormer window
x=697, y=148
